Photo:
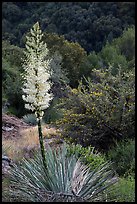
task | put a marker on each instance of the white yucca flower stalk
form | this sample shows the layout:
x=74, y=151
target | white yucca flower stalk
x=36, y=76
x=37, y=73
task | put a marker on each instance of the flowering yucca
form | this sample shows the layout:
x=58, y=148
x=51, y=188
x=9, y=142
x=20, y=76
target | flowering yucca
x=37, y=73
x=36, y=85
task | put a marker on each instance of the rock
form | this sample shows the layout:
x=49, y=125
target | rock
x=7, y=128
x=5, y=158
x=6, y=166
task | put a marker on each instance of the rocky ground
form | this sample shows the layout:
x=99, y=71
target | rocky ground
x=11, y=126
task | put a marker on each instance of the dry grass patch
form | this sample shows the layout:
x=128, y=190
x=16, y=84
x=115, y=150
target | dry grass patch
x=12, y=149
x=29, y=140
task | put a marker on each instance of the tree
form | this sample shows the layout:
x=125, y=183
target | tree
x=11, y=78
x=121, y=51
x=72, y=55
x=36, y=85
x=77, y=21
x=126, y=43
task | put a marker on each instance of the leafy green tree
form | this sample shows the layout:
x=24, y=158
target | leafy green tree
x=59, y=76
x=77, y=21
x=12, y=54
x=11, y=11
x=111, y=55
x=11, y=91
x=92, y=61
x=120, y=51
x=126, y=44
x=11, y=79
x=72, y=55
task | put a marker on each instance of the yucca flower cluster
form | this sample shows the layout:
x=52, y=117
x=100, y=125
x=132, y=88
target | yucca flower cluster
x=37, y=73
x=36, y=76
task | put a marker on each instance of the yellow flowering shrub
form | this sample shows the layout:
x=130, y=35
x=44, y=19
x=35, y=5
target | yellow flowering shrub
x=101, y=110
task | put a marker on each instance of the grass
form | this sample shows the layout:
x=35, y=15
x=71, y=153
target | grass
x=28, y=141
x=123, y=157
x=123, y=190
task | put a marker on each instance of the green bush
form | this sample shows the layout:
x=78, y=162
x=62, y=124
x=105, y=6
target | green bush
x=87, y=155
x=123, y=191
x=100, y=111
x=123, y=157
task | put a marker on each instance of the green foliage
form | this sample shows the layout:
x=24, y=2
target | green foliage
x=90, y=24
x=120, y=51
x=72, y=56
x=51, y=115
x=91, y=61
x=111, y=55
x=126, y=43
x=123, y=191
x=87, y=155
x=100, y=111
x=11, y=80
x=59, y=81
x=123, y=157
x=11, y=11
x=65, y=179
x=126, y=46
x=11, y=83
x=12, y=54
x=30, y=119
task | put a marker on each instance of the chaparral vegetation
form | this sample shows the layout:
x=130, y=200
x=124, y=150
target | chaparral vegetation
x=68, y=101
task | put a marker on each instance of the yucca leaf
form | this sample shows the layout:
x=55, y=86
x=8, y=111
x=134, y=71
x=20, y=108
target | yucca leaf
x=65, y=178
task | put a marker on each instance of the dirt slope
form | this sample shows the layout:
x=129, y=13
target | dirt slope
x=11, y=126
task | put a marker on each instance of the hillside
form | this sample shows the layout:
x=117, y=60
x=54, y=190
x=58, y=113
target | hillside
x=11, y=126
x=90, y=24
x=68, y=101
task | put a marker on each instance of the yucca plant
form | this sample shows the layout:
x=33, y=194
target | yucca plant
x=30, y=119
x=65, y=179
x=36, y=79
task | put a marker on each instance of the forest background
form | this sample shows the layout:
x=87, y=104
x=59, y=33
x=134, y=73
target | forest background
x=93, y=49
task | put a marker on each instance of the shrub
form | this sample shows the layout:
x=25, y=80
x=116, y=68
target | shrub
x=100, y=111
x=87, y=155
x=64, y=179
x=123, y=157
x=123, y=191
